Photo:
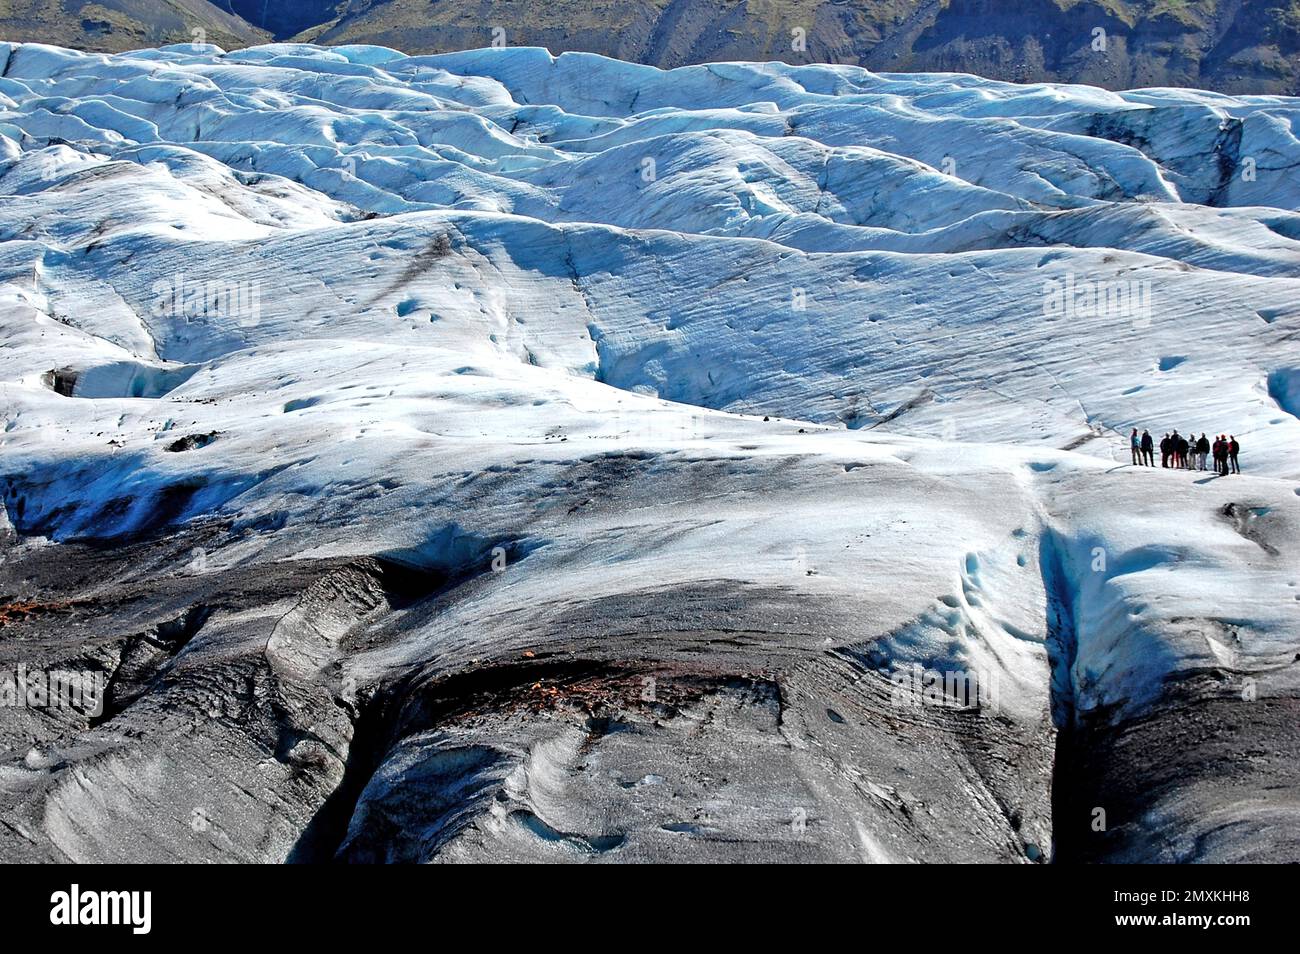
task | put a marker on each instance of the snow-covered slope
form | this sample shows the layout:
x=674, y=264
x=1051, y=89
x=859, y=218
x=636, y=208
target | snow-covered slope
x=444, y=404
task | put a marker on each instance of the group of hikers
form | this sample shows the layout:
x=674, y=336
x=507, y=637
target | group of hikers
x=1187, y=453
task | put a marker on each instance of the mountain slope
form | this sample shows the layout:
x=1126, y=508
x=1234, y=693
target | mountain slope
x=124, y=24
x=1228, y=45
x=498, y=456
x=1217, y=44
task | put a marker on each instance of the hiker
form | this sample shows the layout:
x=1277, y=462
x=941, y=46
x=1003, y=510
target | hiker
x=1220, y=455
x=1233, y=450
x=1164, y=451
x=1148, y=451
x=1135, y=447
x=1202, y=450
x=1180, y=451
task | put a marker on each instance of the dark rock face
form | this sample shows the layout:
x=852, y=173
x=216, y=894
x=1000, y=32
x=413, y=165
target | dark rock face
x=286, y=19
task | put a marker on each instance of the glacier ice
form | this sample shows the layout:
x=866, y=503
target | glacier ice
x=434, y=449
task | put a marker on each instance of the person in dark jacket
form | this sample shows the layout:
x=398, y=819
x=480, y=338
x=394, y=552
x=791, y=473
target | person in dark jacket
x=1148, y=449
x=1202, y=451
x=1180, y=451
x=1233, y=450
x=1164, y=451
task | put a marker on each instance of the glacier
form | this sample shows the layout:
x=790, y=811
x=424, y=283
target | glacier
x=499, y=456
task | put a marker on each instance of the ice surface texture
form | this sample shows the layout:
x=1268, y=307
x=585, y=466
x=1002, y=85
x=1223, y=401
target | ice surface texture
x=493, y=455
